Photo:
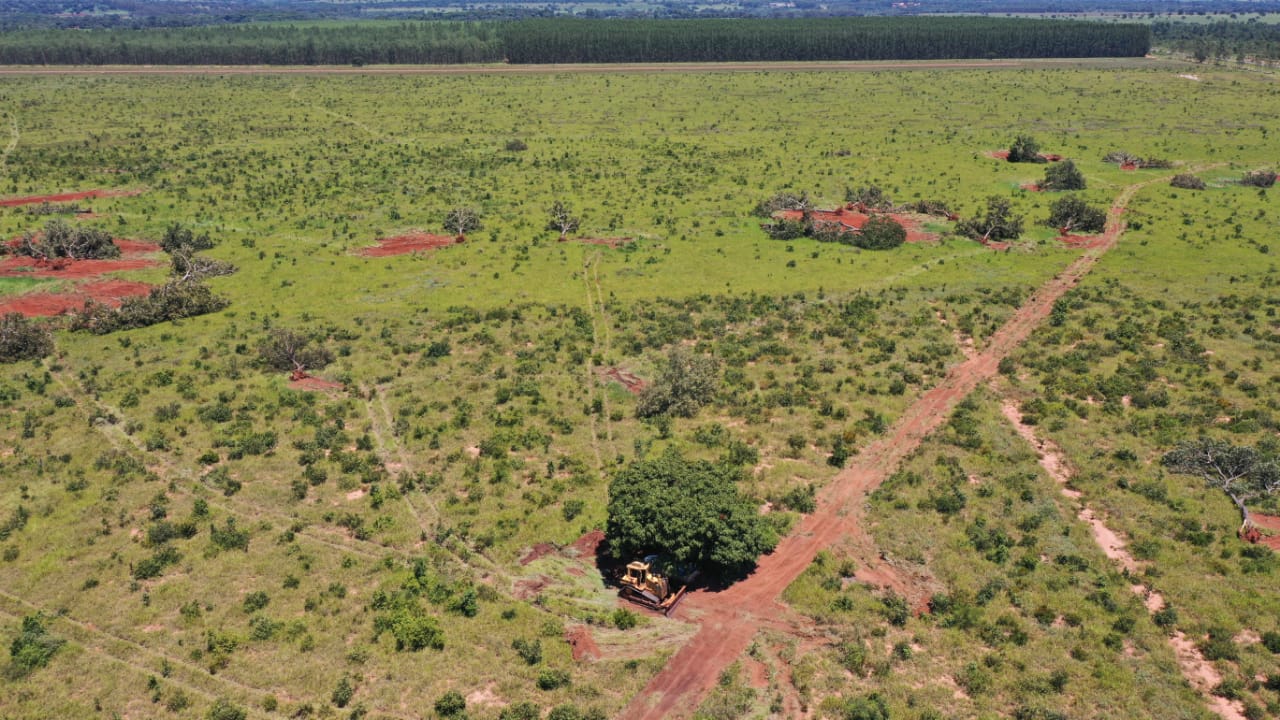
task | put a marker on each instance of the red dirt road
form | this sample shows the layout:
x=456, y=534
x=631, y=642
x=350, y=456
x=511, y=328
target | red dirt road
x=65, y=197
x=730, y=618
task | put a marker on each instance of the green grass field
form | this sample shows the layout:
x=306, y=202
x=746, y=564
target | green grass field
x=475, y=421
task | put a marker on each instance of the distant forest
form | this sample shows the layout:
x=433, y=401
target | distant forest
x=569, y=40
x=1241, y=41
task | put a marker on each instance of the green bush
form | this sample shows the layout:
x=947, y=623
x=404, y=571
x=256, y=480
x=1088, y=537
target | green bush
x=451, y=704
x=33, y=648
x=880, y=233
x=550, y=679
x=23, y=339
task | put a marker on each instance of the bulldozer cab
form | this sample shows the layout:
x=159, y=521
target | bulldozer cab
x=640, y=576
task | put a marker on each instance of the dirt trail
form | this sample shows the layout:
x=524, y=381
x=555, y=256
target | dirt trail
x=1198, y=671
x=731, y=617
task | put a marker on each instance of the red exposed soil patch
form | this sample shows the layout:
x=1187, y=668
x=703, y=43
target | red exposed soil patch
x=530, y=588
x=539, y=550
x=1129, y=166
x=586, y=546
x=65, y=197
x=1083, y=242
x=583, y=645
x=43, y=304
x=731, y=617
x=410, y=243
x=632, y=383
x=852, y=217
x=612, y=242
x=303, y=381
x=1270, y=525
x=1032, y=187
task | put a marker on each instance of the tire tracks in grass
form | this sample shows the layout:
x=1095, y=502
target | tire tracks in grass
x=1198, y=671
x=589, y=262
x=728, y=617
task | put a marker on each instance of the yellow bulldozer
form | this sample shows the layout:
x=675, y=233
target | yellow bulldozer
x=643, y=585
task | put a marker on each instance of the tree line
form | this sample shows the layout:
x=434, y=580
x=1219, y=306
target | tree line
x=574, y=40
x=570, y=40
x=1221, y=40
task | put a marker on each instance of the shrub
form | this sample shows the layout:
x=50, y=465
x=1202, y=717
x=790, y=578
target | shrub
x=1063, y=176
x=412, y=629
x=451, y=704
x=172, y=301
x=870, y=707
x=529, y=651
x=996, y=224
x=255, y=601
x=516, y=145
x=624, y=619
x=1187, y=181
x=1271, y=641
x=223, y=709
x=178, y=237
x=343, y=693
x=23, y=339
x=565, y=712
x=550, y=679
x=881, y=233
x=33, y=648
x=520, y=711
x=781, y=201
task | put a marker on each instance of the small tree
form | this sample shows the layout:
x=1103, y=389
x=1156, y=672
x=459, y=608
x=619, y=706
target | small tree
x=1071, y=213
x=881, y=233
x=1025, y=149
x=187, y=266
x=23, y=339
x=997, y=223
x=686, y=384
x=1242, y=473
x=562, y=220
x=1187, y=181
x=462, y=220
x=1063, y=176
x=451, y=704
x=290, y=350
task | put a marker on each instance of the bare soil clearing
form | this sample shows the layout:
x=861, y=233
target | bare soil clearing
x=1004, y=155
x=582, y=644
x=135, y=255
x=65, y=197
x=730, y=617
x=410, y=243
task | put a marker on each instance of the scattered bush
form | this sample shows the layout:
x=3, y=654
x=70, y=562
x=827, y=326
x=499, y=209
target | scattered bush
x=686, y=384
x=451, y=704
x=23, y=339
x=550, y=679
x=997, y=223
x=1187, y=181
x=781, y=201
x=172, y=301
x=223, y=709
x=177, y=237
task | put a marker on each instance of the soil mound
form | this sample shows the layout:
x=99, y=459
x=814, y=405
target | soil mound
x=582, y=644
x=630, y=381
x=410, y=243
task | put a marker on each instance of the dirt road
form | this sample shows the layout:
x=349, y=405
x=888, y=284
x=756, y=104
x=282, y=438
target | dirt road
x=731, y=617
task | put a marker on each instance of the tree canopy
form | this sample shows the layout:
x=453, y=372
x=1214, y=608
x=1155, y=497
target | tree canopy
x=1025, y=149
x=1245, y=474
x=881, y=233
x=686, y=384
x=997, y=223
x=23, y=339
x=1063, y=176
x=688, y=512
x=1071, y=213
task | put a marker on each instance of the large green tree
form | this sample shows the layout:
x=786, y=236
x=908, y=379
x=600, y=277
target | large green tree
x=688, y=512
x=686, y=384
